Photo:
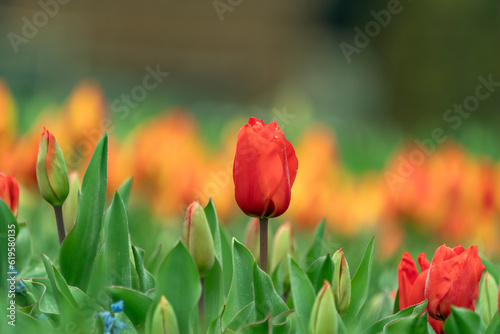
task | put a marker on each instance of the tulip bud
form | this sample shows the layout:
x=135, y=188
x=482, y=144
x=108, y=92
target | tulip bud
x=283, y=244
x=252, y=241
x=9, y=192
x=163, y=320
x=341, y=284
x=324, y=315
x=51, y=172
x=198, y=239
x=487, y=304
x=71, y=204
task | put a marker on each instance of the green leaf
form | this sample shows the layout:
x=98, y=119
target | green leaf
x=146, y=279
x=62, y=294
x=78, y=252
x=241, y=291
x=278, y=277
x=227, y=258
x=379, y=325
x=263, y=326
x=267, y=299
x=414, y=323
x=494, y=326
x=154, y=260
x=179, y=282
x=359, y=286
x=462, y=321
x=282, y=323
x=221, y=245
x=214, y=293
x=317, y=247
x=124, y=190
x=303, y=295
x=136, y=304
x=115, y=253
x=8, y=226
x=245, y=316
x=319, y=271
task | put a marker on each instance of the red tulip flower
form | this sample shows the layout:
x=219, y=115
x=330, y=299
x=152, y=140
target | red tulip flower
x=9, y=192
x=264, y=169
x=453, y=279
x=412, y=285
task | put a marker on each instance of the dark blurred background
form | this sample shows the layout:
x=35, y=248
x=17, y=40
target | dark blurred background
x=232, y=57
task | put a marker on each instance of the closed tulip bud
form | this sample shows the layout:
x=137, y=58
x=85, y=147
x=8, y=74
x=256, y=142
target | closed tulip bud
x=341, y=284
x=71, y=204
x=264, y=170
x=283, y=244
x=9, y=192
x=51, y=172
x=487, y=304
x=163, y=320
x=198, y=239
x=252, y=237
x=324, y=315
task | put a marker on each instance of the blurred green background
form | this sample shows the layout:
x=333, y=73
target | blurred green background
x=263, y=56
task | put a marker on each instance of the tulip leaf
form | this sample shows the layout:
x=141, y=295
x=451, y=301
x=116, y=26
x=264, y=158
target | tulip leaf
x=360, y=284
x=9, y=227
x=23, y=248
x=241, y=291
x=303, y=295
x=179, y=282
x=317, y=247
x=78, y=252
x=125, y=189
x=114, y=258
x=267, y=299
x=146, y=279
x=214, y=292
x=243, y=317
x=320, y=270
x=278, y=278
x=462, y=321
x=494, y=326
x=282, y=323
x=136, y=303
x=227, y=258
x=263, y=326
x=379, y=325
x=221, y=245
x=154, y=260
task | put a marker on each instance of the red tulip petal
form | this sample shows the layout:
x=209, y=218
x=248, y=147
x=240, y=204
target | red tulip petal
x=254, y=173
x=436, y=325
x=407, y=274
x=458, y=249
x=439, y=281
x=423, y=262
x=418, y=289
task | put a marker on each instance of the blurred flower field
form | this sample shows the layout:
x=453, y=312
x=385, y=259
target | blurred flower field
x=451, y=195
x=128, y=262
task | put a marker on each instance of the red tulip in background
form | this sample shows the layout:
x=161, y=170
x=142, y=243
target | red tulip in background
x=264, y=169
x=9, y=192
x=453, y=279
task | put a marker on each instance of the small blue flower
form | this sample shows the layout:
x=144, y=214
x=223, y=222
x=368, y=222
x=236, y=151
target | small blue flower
x=111, y=324
x=117, y=307
x=21, y=288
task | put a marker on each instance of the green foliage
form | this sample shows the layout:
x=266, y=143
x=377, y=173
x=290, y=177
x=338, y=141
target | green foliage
x=98, y=265
x=79, y=250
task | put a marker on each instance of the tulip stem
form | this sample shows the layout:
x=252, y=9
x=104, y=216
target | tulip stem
x=263, y=230
x=60, y=223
